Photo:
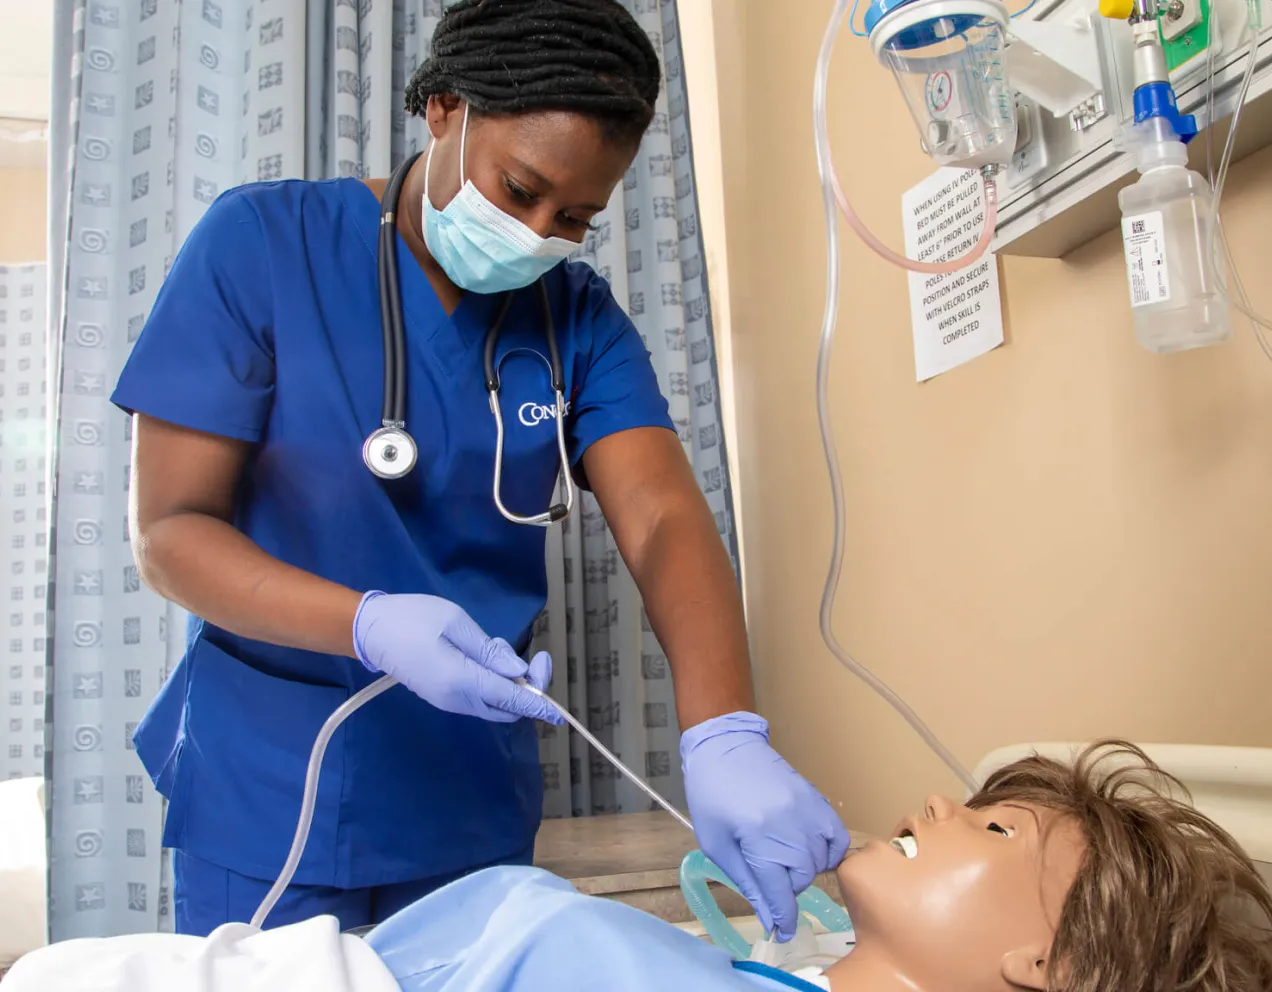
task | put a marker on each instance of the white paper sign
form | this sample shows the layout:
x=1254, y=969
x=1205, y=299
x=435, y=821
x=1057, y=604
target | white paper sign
x=959, y=316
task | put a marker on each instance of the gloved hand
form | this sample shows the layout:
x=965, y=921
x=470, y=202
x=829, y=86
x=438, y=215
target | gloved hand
x=437, y=651
x=756, y=817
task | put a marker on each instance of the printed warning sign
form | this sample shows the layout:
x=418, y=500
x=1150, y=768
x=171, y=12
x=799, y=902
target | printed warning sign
x=956, y=316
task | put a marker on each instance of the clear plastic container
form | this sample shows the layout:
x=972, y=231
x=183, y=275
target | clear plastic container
x=1166, y=219
x=947, y=57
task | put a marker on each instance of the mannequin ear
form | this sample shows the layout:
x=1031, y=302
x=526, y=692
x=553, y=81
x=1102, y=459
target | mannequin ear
x=1026, y=968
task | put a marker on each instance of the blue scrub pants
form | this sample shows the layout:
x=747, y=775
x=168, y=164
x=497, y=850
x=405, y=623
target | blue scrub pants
x=207, y=896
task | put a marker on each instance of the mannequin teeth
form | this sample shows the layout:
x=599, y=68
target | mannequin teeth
x=906, y=845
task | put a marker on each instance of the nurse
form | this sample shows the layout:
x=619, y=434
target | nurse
x=258, y=377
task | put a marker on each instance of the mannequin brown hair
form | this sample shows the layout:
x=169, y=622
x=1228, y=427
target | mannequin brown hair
x=1165, y=900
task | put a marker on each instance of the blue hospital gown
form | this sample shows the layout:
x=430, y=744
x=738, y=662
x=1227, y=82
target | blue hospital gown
x=517, y=929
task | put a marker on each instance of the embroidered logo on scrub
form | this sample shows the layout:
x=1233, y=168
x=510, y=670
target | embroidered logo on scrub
x=532, y=413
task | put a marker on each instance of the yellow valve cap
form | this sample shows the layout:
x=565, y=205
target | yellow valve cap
x=1117, y=10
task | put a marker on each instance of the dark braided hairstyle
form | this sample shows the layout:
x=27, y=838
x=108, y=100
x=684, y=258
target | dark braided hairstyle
x=513, y=56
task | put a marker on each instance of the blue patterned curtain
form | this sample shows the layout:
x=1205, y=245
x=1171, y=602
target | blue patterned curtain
x=168, y=104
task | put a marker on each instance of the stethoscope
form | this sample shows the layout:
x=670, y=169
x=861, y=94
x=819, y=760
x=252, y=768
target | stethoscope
x=389, y=451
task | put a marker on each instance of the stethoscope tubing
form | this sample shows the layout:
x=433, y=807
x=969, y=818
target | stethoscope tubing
x=380, y=451
x=393, y=411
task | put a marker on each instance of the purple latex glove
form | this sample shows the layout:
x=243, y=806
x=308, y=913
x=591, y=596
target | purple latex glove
x=756, y=817
x=437, y=651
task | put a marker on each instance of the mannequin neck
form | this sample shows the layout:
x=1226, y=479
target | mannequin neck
x=863, y=971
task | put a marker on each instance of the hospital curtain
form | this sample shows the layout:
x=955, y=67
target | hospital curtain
x=24, y=527
x=649, y=247
x=165, y=104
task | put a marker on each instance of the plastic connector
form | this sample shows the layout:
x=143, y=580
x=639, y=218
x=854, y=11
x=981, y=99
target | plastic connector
x=1117, y=10
x=1158, y=100
x=1153, y=144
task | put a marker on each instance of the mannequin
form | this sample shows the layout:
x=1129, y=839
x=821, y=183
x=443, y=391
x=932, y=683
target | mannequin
x=1093, y=876
x=1090, y=877
x=1082, y=878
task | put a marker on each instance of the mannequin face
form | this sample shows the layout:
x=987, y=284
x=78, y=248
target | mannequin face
x=975, y=906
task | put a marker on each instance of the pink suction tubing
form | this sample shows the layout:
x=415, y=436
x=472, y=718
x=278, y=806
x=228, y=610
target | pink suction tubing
x=904, y=261
x=822, y=138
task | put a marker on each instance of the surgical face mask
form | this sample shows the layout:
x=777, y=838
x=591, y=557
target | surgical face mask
x=479, y=247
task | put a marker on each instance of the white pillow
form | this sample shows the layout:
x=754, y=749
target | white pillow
x=23, y=869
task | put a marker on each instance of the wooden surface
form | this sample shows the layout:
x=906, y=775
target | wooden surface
x=584, y=847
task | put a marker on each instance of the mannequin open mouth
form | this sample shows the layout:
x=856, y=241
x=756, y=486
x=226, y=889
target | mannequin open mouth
x=906, y=844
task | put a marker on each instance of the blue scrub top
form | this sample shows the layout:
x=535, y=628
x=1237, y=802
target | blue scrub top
x=267, y=330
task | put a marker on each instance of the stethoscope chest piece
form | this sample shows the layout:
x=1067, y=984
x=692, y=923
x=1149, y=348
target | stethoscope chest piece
x=389, y=452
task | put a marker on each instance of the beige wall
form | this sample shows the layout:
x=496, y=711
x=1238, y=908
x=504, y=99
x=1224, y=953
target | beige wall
x=23, y=198
x=1067, y=538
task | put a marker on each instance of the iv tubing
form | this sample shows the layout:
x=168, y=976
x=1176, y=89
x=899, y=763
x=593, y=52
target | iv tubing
x=342, y=713
x=830, y=191
x=1241, y=303
x=826, y=168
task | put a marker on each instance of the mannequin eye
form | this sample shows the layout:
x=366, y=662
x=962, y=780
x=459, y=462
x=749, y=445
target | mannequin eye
x=995, y=828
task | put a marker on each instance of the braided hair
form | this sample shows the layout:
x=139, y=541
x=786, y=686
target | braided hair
x=514, y=56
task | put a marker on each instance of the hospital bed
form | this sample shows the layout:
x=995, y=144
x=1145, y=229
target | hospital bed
x=1231, y=785
x=633, y=857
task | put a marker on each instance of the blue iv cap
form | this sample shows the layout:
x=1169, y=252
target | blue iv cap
x=1158, y=100
x=929, y=32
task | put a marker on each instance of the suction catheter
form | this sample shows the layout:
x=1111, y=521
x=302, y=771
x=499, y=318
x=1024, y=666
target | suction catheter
x=360, y=699
x=695, y=871
x=611, y=757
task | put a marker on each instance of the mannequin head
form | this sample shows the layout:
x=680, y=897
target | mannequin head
x=1082, y=878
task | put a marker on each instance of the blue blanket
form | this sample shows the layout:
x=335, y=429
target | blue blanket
x=517, y=929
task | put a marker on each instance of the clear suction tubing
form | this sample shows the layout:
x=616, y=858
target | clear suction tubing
x=347, y=709
x=946, y=56
x=310, y=798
